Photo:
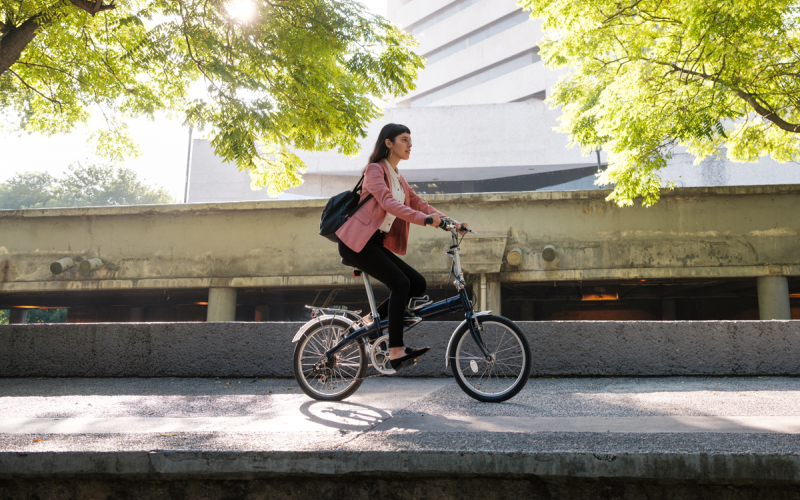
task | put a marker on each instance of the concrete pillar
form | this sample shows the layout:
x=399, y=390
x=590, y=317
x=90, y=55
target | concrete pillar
x=482, y=293
x=773, y=297
x=493, y=297
x=137, y=315
x=668, y=310
x=17, y=316
x=262, y=313
x=221, y=304
x=526, y=311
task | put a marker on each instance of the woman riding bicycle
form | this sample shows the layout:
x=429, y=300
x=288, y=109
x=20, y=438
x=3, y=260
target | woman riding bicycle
x=379, y=230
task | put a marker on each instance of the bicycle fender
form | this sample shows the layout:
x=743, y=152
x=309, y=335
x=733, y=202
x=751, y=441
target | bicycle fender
x=316, y=321
x=447, y=352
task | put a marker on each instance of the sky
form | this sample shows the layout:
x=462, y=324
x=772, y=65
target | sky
x=164, y=144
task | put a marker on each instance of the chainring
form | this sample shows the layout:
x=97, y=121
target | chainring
x=379, y=355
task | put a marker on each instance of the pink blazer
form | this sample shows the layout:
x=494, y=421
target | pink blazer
x=356, y=232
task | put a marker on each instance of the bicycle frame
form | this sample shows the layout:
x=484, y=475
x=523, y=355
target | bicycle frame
x=454, y=304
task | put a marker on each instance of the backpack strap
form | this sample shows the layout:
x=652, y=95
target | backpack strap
x=357, y=189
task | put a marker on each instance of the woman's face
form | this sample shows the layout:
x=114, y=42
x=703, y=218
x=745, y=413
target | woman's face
x=401, y=147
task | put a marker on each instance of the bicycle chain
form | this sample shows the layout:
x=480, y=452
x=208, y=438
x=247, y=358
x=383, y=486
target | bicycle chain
x=385, y=374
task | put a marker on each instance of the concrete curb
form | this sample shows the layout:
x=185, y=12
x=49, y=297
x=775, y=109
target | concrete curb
x=176, y=465
x=559, y=348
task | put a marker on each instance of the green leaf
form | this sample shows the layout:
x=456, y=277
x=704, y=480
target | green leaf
x=301, y=74
x=648, y=76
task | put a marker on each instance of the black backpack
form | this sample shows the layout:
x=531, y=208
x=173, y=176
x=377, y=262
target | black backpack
x=340, y=208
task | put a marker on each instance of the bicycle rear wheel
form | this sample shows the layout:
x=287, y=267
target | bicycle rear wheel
x=499, y=378
x=342, y=375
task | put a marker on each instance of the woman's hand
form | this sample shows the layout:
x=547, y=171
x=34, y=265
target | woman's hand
x=462, y=226
x=436, y=220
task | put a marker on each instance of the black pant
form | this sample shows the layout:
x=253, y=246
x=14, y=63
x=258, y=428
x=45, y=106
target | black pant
x=403, y=281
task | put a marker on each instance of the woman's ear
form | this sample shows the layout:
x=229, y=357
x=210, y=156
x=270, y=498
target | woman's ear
x=388, y=143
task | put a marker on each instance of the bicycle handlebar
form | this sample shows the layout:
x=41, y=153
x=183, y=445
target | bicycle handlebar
x=449, y=224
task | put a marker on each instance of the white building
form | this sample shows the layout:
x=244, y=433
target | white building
x=476, y=117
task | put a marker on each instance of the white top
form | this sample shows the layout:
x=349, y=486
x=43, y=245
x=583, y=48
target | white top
x=399, y=195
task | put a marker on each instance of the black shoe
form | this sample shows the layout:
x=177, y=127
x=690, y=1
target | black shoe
x=410, y=359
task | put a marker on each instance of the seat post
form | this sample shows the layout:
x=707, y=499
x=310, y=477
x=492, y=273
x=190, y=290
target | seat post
x=370, y=295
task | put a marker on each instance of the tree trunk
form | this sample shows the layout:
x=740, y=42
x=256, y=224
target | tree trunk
x=14, y=42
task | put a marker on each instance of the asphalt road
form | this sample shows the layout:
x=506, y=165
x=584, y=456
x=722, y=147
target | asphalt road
x=759, y=415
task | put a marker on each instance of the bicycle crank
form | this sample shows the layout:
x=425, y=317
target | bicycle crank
x=379, y=356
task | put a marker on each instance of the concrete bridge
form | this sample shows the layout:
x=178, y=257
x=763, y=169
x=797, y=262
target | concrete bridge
x=736, y=248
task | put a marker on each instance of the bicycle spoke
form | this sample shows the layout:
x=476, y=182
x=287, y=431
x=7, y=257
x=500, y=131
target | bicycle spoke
x=498, y=375
x=343, y=367
x=508, y=349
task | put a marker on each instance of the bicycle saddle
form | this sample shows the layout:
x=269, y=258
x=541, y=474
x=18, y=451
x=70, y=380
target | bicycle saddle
x=348, y=263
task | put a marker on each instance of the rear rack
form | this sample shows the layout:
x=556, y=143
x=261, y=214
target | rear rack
x=318, y=311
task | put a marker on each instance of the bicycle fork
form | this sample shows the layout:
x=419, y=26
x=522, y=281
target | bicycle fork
x=475, y=331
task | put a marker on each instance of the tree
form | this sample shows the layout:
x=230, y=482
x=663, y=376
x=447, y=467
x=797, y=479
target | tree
x=29, y=190
x=95, y=185
x=279, y=75
x=46, y=316
x=649, y=75
x=38, y=316
x=91, y=185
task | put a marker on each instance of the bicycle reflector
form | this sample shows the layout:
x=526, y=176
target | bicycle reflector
x=356, y=273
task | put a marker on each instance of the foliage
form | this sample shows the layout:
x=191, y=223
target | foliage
x=91, y=185
x=649, y=75
x=29, y=190
x=38, y=316
x=46, y=316
x=295, y=74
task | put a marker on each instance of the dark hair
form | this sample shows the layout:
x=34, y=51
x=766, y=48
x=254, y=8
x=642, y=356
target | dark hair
x=389, y=131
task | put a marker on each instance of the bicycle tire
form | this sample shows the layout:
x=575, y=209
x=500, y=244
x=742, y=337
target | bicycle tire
x=324, y=386
x=479, y=383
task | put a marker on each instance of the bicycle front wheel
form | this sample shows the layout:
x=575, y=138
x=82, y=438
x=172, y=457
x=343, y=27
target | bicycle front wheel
x=340, y=376
x=508, y=368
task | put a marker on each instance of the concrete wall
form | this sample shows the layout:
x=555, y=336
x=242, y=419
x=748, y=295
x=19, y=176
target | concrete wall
x=265, y=349
x=690, y=233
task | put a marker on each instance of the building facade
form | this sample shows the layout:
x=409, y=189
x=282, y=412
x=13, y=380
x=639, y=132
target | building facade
x=477, y=119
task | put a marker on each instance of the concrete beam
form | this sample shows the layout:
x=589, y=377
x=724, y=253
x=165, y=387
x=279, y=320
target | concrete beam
x=724, y=232
x=773, y=297
x=221, y=304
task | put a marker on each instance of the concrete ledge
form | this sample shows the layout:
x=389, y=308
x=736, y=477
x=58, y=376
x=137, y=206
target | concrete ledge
x=585, y=348
x=166, y=465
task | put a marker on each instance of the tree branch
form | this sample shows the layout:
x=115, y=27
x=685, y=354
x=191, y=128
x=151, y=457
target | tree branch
x=749, y=98
x=92, y=7
x=769, y=115
x=54, y=101
x=15, y=40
